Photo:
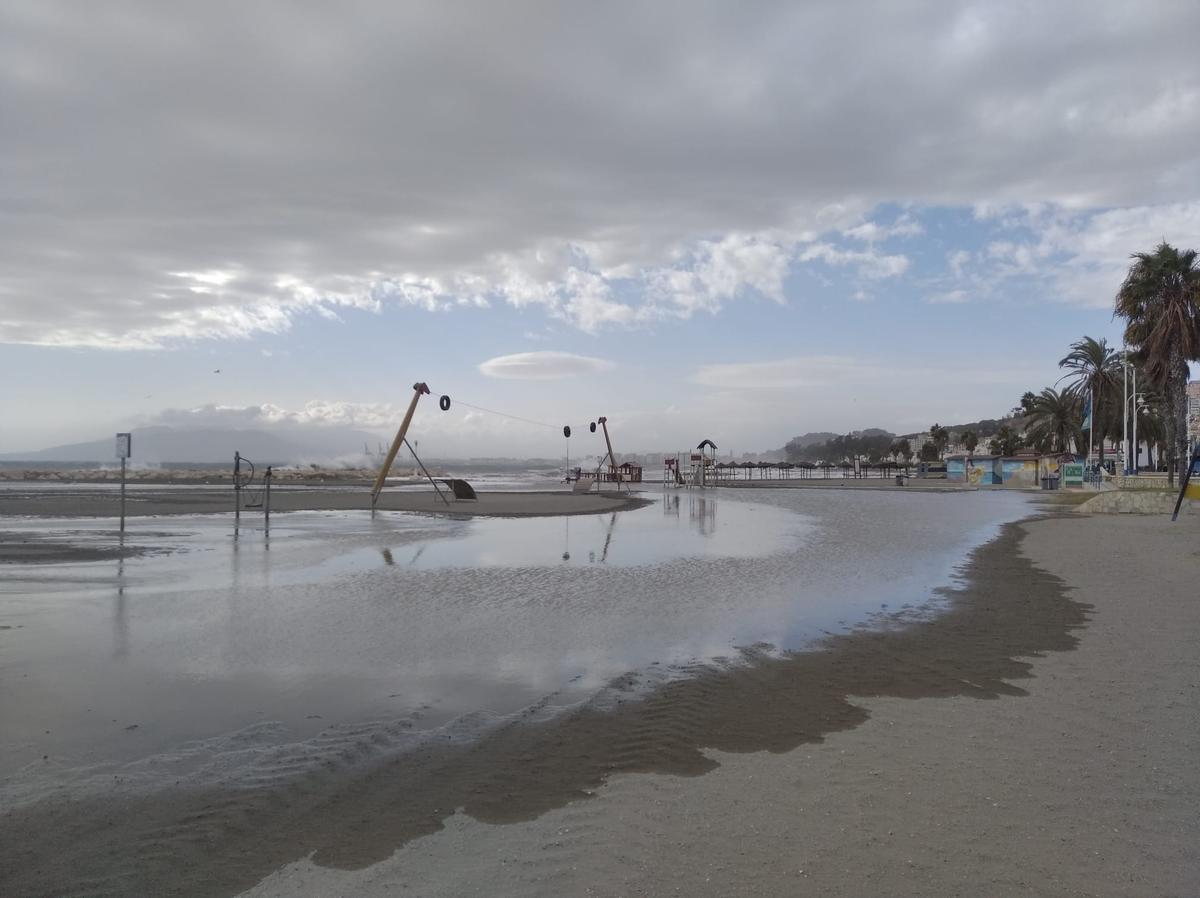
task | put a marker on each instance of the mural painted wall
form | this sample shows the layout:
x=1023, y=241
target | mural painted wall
x=978, y=471
x=1019, y=471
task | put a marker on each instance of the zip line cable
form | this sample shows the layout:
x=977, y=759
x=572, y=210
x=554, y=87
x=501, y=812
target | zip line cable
x=492, y=411
x=445, y=401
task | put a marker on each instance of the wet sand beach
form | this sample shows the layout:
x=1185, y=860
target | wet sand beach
x=142, y=502
x=1050, y=750
x=1030, y=732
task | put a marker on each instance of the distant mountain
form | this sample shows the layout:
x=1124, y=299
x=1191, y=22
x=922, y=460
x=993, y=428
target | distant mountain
x=163, y=445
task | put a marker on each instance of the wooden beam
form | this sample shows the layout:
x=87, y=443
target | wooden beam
x=418, y=391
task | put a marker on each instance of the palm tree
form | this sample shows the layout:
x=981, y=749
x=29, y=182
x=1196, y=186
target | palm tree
x=1094, y=368
x=1160, y=302
x=940, y=437
x=901, y=449
x=1054, y=421
x=970, y=439
x=1006, y=441
x=1021, y=409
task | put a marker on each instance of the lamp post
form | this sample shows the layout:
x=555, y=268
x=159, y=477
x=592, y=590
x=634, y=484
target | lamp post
x=1137, y=453
x=1137, y=400
x=1124, y=414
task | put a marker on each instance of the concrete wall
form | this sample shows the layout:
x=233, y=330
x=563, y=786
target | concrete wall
x=1136, y=502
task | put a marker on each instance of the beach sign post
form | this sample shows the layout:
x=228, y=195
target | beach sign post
x=124, y=451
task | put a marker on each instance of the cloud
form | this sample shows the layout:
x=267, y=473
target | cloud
x=611, y=166
x=1071, y=256
x=810, y=371
x=545, y=365
x=950, y=297
x=315, y=413
x=825, y=373
x=871, y=232
x=956, y=261
x=869, y=263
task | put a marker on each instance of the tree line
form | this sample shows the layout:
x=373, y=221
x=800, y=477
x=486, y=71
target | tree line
x=1159, y=301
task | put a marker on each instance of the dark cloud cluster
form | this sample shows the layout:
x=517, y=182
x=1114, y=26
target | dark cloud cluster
x=176, y=171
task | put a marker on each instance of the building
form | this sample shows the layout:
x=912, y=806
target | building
x=1025, y=470
x=1193, y=411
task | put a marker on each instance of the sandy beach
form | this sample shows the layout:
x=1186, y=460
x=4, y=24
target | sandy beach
x=1032, y=734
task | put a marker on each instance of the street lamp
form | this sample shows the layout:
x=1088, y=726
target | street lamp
x=1138, y=401
x=1127, y=367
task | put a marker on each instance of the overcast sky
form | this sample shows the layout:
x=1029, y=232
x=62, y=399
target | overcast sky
x=735, y=221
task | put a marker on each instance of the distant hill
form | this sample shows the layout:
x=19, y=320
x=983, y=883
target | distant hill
x=813, y=439
x=160, y=445
x=984, y=428
x=872, y=443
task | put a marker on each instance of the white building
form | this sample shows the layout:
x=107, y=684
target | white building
x=1193, y=411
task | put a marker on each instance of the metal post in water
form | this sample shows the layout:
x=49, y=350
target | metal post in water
x=124, y=451
x=237, y=488
x=267, y=499
x=122, y=494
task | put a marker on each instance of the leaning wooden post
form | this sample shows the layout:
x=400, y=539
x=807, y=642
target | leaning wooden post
x=418, y=391
x=612, y=459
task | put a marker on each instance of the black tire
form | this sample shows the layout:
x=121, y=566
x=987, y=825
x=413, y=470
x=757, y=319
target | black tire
x=592, y=427
x=567, y=431
x=444, y=403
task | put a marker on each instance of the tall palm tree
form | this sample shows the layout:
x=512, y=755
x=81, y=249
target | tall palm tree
x=1005, y=442
x=1093, y=367
x=970, y=439
x=940, y=437
x=1160, y=302
x=1054, y=421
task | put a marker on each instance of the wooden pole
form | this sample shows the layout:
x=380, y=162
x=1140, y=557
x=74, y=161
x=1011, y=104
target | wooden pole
x=612, y=459
x=418, y=390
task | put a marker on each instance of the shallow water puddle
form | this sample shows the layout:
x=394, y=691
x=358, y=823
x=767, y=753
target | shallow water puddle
x=339, y=618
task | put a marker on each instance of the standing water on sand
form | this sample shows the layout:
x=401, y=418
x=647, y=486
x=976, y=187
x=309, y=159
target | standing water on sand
x=195, y=638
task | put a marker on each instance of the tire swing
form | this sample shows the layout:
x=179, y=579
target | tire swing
x=444, y=403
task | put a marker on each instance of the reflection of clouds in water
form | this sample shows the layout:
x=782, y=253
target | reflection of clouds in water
x=495, y=614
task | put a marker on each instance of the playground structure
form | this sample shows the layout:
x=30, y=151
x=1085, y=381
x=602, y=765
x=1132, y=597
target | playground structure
x=702, y=468
x=609, y=470
x=616, y=473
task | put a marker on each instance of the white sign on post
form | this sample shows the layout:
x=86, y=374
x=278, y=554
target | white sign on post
x=124, y=445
